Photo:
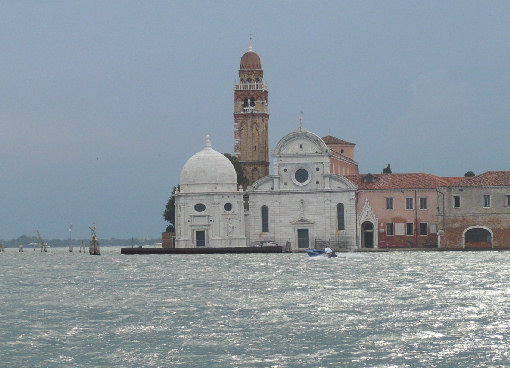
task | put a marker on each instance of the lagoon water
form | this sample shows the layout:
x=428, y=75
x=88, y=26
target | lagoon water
x=398, y=309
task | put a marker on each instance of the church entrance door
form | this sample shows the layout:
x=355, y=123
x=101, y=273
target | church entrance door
x=303, y=238
x=200, y=238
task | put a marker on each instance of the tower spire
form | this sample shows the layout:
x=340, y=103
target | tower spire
x=300, y=121
x=250, y=48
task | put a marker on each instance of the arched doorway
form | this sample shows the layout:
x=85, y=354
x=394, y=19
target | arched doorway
x=367, y=235
x=477, y=237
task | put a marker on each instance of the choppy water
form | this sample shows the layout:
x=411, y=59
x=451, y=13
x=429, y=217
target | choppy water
x=63, y=309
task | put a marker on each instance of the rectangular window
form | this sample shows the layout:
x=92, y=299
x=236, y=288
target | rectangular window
x=340, y=216
x=389, y=228
x=456, y=201
x=507, y=200
x=486, y=201
x=423, y=228
x=265, y=219
x=389, y=203
x=423, y=203
x=409, y=228
x=409, y=203
x=433, y=228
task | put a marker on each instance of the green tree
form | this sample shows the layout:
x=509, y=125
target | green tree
x=469, y=174
x=169, y=214
x=387, y=170
x=241, y=179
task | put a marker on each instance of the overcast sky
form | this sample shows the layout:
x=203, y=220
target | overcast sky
x=102, y=102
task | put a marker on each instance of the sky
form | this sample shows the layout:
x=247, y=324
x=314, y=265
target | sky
x=102, y=102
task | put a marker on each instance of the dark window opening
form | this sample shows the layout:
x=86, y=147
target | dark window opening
x=409, y=203
x=265, y=219
x=340, y=216
x=423, y=228
x=200, y=207
x=409, y=228
x=423, y=203
x=456, y=201
x=301, y=175
x=389, y=203
x=389, y=229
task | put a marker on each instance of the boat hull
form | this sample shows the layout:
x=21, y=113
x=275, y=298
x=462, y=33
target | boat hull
x=319, y=253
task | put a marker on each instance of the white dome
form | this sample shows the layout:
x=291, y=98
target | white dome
x=208, y=171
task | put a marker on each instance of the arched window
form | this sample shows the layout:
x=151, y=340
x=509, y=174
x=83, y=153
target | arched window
x=246, y=102
x=252, y=102
x=265, y=219
x=340, y=216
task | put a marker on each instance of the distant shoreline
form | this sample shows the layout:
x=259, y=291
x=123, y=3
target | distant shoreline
x=58, y=243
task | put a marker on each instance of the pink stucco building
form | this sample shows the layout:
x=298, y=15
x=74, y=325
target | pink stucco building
x=397, y=210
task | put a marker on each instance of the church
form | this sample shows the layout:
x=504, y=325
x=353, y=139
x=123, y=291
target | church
x=315, y=196
x=306, y=202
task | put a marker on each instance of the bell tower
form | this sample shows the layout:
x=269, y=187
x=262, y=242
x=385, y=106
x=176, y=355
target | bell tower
x=251, y=118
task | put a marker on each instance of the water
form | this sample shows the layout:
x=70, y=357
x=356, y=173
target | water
x=61, y=309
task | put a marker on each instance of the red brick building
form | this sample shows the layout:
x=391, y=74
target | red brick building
x=342, y=156
x=474, y=213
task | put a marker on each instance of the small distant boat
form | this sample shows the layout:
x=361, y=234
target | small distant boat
x=320, y=253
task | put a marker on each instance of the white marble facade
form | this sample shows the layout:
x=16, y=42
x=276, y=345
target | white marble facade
x=209, y=205
x=302, y=204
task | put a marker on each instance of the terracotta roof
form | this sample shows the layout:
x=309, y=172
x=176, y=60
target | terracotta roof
x=452, y=179
x=336, y=153
x=487, y=179
x=329, y=139
x=398, y=181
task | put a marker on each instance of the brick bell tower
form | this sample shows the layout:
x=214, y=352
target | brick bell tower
x=251, y=118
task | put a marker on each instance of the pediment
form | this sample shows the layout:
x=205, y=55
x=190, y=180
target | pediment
x=300, y=142
x=367, y=214
x=302, y=221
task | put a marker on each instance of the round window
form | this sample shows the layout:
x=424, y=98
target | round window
x=228, y=207
x=301, y=175
x=200, y=207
